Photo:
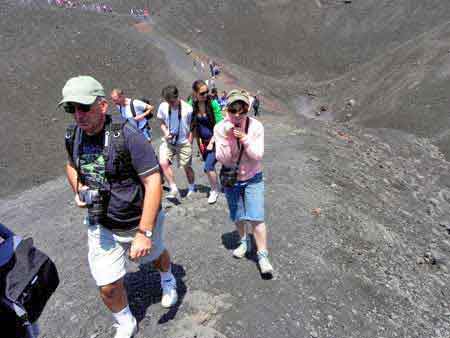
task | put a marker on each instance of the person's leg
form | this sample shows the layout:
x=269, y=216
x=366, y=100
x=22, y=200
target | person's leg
x=185, y=155
x=210, y=163
x=190, y=175
x=210, y=170
x=107, y=264
x=212, y=178
x=244, y=240
x=168, y=281
x=161, y=261
x=166, y=156
x=114, y=296
x=260, y=234
x=254, y=212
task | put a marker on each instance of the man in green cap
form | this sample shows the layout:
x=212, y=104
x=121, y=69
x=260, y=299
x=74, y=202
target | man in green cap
x=115, y=174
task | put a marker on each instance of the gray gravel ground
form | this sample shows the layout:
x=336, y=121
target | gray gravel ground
x=357, y=270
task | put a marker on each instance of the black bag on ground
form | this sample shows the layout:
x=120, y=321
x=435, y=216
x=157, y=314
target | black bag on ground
x=27, y=281
x=228, y=175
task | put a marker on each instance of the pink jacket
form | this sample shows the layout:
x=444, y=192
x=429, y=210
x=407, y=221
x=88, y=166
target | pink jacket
x=227, y=151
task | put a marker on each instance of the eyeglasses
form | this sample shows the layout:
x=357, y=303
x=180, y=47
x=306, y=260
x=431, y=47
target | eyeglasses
x=237, y=112
x=70, y=107
x=204, y=93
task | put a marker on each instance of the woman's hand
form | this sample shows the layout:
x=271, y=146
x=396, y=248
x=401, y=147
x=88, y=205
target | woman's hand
x=210, y=146
x=239, y=134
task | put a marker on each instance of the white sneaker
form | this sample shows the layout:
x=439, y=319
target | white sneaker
x=191, y=190
x=126, y=331
x=173, y=194
x=169, y=297
x=213, y=195
x=265, y=266
x=241, y=250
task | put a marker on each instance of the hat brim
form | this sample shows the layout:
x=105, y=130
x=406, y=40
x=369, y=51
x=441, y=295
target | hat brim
x=78, y=99
x=236, y=98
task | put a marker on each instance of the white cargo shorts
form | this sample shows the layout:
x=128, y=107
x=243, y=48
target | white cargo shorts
x=108, y=250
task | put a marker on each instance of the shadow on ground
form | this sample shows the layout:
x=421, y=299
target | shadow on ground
x=144, y=290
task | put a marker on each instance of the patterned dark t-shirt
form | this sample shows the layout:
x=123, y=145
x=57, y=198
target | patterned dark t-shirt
x=92, y=161
x=126, y=199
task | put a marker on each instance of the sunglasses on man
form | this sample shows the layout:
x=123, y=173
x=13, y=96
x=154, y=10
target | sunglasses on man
x=70, y=107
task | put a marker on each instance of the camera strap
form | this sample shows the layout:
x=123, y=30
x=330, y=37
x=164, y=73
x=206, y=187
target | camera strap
x=240, y=146
x=179, y=119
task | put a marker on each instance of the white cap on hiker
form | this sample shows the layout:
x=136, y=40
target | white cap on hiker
x=82, y=89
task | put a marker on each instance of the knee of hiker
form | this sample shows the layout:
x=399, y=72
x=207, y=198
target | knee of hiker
x=111, y=291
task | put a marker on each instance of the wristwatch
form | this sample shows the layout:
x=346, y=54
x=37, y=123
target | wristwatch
x=146, y=233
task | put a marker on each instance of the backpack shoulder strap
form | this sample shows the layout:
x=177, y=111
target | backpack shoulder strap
x=240, y=146
x=133, y=111
x=122, y=161
x=72, y=141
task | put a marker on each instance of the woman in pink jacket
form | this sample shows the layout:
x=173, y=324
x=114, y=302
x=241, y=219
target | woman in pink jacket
x=240, y=148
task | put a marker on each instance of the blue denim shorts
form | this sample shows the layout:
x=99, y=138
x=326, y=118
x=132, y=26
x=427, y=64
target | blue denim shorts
x=246, y=199
x=210, y=161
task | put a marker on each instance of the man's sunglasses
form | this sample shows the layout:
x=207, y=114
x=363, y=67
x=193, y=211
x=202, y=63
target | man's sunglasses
x=204, y=93
x=70, y=107
x=237, y=112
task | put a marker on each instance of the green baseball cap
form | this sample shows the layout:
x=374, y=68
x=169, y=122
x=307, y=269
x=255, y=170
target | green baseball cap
x=82, y=89
x=238, y=95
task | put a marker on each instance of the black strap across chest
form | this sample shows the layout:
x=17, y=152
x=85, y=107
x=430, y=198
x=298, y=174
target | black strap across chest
x=240, y=146
x=121, y=168
x=179, y=118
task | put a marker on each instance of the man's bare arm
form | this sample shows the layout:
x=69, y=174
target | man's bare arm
x=152, y=200
x=72, y=177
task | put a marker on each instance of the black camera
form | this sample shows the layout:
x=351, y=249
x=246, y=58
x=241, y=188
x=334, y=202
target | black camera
x=173, y=140
x=228, y=176
x=95, y=203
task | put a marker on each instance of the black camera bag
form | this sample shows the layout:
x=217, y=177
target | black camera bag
x=27, y=281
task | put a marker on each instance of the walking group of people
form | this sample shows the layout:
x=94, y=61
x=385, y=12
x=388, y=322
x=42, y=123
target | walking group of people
x=114, y=172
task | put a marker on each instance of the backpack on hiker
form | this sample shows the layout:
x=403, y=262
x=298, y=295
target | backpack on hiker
x=133, y=111
x=148, y=128
x=118, y=169
x=28, y=278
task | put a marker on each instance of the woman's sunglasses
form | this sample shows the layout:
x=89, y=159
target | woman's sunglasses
x=70, y=107
x=204, y=93
x=236, y=112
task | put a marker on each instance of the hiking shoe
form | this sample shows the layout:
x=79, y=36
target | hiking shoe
x=264, y=264
x=213, y=195
x=173, y=194
x=169, y=297
x=242, y=249
x=127, y=331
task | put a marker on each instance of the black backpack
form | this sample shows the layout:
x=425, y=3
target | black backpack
x=133, y=111
x=122, y=165
x=27, y=281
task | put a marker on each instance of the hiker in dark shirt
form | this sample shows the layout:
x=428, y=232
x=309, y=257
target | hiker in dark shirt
x=114, y=172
